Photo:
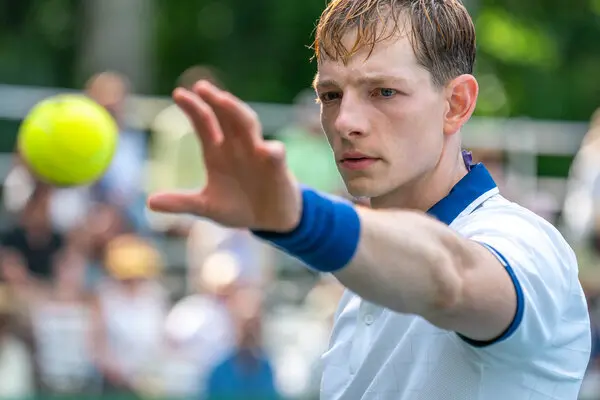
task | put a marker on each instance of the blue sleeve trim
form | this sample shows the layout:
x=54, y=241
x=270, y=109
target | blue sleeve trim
x=518, y=318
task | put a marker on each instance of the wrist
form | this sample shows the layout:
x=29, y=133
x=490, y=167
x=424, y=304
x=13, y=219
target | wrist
x=293, y=222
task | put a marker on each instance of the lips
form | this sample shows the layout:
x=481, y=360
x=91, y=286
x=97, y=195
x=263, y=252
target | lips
x=356, y=161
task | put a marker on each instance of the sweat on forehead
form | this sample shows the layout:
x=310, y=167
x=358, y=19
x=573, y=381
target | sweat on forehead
x=441, y=32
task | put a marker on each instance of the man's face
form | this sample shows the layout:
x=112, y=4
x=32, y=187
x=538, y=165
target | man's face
x=110, y=94
x=382, y=115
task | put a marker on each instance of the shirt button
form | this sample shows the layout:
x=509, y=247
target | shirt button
x=369, y=319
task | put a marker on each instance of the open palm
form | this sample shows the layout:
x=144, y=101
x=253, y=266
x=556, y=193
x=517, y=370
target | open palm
x=248, y=183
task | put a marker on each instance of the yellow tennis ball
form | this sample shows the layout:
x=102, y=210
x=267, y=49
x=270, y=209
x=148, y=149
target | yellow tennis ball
x=68, y=140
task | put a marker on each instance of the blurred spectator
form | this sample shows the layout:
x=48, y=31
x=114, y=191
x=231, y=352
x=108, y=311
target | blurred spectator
x=176, y=160
x=581, y=225
x=130, y=315
x=17, y=186
x=582, y=201
x=61, y=318
x=67, y=206
x=13, y=268
x=297, y=338
x=16, y=367
x=199, y=328
x=34, y=237
x=122, y=183
x=538, y=201
x=253, y=258
x=308, y=153
x=103, y=224
x=23, y=289
x=246, y=373
x=581, y=212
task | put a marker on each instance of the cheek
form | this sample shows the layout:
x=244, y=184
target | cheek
x=417, y=132
x=328, y=129
x=425, y=119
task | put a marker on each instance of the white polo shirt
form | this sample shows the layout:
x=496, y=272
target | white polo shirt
x=378, y=354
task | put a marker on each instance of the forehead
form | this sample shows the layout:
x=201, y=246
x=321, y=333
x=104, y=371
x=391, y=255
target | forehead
x=393, y=57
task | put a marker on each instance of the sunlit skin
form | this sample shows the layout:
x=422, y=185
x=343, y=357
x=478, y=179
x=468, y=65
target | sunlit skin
x=386, y=107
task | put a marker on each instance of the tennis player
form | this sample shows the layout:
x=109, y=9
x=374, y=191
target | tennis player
x=454, y=293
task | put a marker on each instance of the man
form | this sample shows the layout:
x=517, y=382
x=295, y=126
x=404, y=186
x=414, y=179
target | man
x=246, y=371
x=121, y=185
x=453, y=293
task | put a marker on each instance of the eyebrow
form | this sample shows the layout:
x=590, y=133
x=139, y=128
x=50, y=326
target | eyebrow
x=363, y=80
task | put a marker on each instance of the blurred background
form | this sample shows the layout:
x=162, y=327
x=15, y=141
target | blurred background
x=100, y=298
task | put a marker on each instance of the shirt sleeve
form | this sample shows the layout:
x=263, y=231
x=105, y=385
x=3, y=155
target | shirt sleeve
x=551, y=308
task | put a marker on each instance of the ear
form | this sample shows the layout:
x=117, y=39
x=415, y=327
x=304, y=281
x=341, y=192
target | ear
x=461, y=100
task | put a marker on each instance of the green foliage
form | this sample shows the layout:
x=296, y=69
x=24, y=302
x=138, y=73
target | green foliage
x=39, y=41
x=260, y=47
x=536, y=58
x=542, y=56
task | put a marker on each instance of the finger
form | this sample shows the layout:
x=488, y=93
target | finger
x=176, y=203
x=201, y=116
x=237, y=118
x=274, y=151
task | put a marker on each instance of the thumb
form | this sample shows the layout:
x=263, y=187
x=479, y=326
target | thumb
x=176, y=203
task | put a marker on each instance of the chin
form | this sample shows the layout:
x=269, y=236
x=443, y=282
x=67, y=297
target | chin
x=363, y=187
x=369, y=187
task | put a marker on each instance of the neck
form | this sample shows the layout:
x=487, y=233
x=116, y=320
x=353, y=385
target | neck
x=426, y=190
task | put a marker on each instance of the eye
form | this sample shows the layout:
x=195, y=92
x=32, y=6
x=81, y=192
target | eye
x=328, y=97
x=385, y=93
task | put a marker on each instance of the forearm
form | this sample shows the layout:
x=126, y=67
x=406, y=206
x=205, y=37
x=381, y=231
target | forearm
x=405, y=261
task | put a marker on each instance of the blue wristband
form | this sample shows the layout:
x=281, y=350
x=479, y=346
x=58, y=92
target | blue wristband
x=327, y=236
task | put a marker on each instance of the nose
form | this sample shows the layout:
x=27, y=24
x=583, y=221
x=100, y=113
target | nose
x=351, y=120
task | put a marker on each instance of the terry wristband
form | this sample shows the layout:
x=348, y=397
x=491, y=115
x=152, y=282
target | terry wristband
x=326, y=237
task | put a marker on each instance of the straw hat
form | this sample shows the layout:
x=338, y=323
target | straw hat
x=132, y=257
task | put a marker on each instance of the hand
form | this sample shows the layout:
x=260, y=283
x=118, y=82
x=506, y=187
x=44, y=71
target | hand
x=248, y=183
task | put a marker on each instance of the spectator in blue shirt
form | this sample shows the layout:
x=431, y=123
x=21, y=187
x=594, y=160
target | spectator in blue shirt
x=246, y=373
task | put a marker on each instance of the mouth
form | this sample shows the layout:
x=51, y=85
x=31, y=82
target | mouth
x=357, y=162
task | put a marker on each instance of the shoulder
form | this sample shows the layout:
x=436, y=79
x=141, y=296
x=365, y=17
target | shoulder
x=499, y=209
x=527, y=242
x=501, y=220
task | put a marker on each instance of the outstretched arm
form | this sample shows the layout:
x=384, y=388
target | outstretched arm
x=405, y=261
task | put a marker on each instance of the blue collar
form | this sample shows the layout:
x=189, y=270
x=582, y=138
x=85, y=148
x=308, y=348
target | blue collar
x=468, y=194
